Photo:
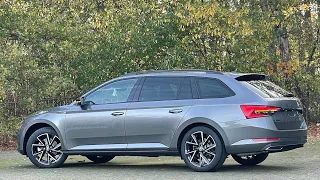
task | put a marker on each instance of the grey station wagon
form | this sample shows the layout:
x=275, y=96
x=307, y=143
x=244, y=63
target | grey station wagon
x=202, y=116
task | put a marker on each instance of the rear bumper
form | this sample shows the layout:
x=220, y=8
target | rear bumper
x=288, y=140
x=270, y=147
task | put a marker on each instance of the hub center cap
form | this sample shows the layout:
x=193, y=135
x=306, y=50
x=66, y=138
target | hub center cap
x=201, y=148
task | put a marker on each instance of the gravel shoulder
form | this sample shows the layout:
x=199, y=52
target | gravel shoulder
x=303, y=163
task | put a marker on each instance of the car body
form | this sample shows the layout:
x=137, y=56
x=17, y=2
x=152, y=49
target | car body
x=148, y=114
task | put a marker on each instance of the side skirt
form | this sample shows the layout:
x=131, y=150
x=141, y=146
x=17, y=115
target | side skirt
x=149, y=153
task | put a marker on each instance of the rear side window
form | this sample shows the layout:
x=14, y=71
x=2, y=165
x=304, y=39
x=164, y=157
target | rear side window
x=160, y=88
x=267, y=89
x=213, y=88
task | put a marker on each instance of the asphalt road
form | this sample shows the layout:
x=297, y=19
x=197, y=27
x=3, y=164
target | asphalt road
x=299, y=164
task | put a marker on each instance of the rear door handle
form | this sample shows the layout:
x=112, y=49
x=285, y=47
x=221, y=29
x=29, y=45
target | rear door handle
x=175, y=111
x=117, y=113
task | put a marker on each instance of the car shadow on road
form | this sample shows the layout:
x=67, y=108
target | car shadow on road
x=171, y=167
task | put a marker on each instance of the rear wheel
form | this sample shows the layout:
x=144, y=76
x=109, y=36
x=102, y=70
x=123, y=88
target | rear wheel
x=250, y=160
x=100, y=159
x=44, y=148
x=202, y=149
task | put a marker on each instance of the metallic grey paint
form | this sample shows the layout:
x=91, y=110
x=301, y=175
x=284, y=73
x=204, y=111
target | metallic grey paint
x=155, y=127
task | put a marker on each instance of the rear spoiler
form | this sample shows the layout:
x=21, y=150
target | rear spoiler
x=247, y=76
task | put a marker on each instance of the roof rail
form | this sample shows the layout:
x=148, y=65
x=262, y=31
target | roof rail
x=200, y=71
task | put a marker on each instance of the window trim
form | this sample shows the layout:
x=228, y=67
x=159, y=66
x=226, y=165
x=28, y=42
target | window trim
x=195, y=91
x=139, y=89
x=200, y=93
x=130, y=97
x=183, y=81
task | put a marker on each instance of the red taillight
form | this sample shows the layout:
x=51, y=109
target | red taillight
x=256, y=111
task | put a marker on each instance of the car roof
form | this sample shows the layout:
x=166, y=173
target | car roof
x=190, y=72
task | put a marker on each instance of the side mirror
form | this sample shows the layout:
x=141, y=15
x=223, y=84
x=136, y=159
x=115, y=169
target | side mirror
x=80, y=101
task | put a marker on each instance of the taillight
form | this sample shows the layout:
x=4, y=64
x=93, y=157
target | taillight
x=256, y=111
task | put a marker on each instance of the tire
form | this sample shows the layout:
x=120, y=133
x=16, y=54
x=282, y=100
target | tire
x=250, y=160
x=100, y=159
x=43, y=154
x=202, y=155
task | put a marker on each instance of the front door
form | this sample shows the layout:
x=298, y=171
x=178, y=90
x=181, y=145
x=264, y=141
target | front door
x=100, y=124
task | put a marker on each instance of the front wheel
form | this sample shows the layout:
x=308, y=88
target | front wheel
x=250, y=160
x=100, y=159
x=202, y=150
x=44, y=148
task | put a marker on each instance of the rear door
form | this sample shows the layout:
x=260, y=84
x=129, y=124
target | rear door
x=160, y=106
x=290, y=115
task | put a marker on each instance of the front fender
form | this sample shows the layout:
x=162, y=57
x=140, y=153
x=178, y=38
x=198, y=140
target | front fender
x=55, y=123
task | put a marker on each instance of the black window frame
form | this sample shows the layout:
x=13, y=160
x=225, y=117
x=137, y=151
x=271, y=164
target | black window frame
x=183, y=82
x=222, y=83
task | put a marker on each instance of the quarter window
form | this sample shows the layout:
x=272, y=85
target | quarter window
x=116, y=92
x=213, y=88
x=160, y=88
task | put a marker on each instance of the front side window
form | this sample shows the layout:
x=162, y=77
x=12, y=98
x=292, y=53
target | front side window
x=116, y=92
x=213, y=88
x=160, y=88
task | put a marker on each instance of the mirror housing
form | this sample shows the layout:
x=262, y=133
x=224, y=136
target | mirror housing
x=80, y=101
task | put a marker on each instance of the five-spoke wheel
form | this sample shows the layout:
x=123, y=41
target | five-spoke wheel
x=44, y=148
x=202, y=149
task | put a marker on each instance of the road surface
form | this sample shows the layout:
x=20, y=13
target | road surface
x=299, y=164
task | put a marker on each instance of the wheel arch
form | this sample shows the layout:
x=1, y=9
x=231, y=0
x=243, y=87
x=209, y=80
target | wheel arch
x=187, y=125
x=37, y=125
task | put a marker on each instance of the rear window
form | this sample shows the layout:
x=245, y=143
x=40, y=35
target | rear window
x=266, y=89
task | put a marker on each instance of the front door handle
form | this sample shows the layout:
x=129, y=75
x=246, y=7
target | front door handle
x=175, y=111
x=117, y=113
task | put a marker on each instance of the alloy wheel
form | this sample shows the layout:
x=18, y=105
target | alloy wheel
x=47, y=149
x=200, y=149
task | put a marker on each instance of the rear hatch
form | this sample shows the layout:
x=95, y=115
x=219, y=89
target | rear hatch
x=290, y=115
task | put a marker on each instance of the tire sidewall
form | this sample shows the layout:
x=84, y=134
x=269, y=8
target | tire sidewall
x=32, y=139
x=220, y=150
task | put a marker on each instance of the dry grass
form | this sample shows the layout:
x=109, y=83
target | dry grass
x=7, y=141
x=314, y=131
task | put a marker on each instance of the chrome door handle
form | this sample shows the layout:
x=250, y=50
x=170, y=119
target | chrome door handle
x=117, y=113
x=175, y=111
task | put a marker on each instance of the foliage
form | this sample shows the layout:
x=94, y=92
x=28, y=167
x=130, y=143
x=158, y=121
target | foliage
x=60, y=49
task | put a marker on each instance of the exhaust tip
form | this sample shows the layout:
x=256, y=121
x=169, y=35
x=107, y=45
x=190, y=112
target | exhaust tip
x=274, y=148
